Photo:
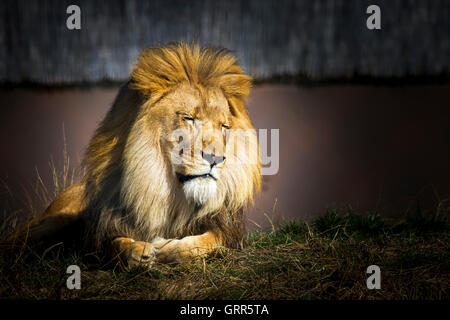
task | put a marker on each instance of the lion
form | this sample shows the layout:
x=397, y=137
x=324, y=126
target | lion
x=135, y=201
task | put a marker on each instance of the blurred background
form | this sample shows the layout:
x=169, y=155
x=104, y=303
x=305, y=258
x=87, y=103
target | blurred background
x=363, y=114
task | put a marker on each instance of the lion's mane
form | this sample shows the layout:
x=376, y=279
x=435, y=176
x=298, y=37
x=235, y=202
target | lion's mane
x=128, y=188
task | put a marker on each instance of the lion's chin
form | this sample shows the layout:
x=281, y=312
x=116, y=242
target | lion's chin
x=200, y=190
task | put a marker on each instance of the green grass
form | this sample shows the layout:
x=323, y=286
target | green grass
x=326, y=259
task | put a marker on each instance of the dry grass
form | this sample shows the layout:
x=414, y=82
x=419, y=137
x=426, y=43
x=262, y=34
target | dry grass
x=34, y=198
x=327, y=260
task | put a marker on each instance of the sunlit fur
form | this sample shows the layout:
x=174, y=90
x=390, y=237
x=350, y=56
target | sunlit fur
x=200, y=190
x=131, y=188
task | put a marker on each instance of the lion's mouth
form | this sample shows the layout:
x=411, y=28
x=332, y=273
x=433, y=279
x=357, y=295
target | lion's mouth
x=185, y=178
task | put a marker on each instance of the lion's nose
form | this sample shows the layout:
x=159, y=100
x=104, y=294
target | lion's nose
x=212, y=158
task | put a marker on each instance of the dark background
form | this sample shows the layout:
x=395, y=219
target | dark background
x=324, y=39
x=363, y=114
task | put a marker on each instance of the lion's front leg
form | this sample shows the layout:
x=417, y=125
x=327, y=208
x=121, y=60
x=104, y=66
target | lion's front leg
x=179, y=250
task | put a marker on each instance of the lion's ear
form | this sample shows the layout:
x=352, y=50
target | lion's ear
x=236, y=83
x=236, y=88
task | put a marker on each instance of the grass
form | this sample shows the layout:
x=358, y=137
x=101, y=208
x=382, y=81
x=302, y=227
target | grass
x=15, y=211
x=325, y=260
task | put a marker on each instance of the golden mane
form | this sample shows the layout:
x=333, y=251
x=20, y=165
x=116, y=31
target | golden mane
x=160, y=69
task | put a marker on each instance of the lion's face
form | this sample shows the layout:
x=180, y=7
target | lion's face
x=193, y=133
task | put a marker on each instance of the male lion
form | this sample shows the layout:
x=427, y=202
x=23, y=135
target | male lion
x=139, y=201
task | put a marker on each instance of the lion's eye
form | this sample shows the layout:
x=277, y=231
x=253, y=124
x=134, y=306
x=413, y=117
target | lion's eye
x=225, y=126
x=187, y=118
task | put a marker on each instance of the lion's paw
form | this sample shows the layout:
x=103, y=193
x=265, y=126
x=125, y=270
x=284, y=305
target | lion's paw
x=141, y=253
